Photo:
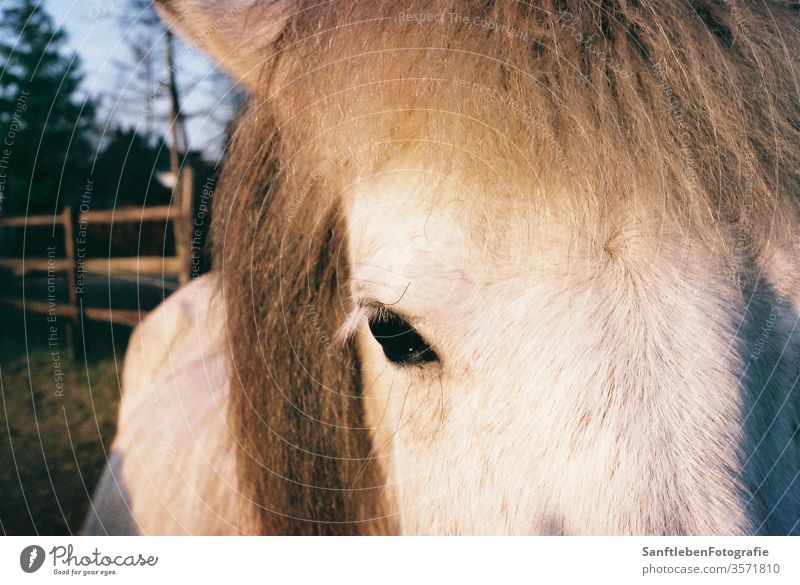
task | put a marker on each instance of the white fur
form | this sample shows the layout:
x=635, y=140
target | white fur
x=171, y=467
x=581, y=390
x=594, y=379
x=578, y=393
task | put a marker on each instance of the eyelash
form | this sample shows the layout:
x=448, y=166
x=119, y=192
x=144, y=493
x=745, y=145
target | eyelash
x=401, y=343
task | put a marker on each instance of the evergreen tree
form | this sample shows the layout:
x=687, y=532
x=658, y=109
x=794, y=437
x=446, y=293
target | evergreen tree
x=127, y=169
x=45, y=123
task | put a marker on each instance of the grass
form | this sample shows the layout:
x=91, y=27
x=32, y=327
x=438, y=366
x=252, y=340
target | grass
x=55, y=427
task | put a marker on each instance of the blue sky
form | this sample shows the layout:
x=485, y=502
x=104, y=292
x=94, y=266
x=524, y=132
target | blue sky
x=96, y=31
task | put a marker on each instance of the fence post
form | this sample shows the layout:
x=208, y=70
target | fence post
x=183, y=223
x=74, y=331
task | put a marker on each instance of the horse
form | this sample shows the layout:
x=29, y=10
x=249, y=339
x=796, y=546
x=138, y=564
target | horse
x=482, y=267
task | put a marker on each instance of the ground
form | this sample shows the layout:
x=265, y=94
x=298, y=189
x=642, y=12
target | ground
x=58, y=412
x=55, y=426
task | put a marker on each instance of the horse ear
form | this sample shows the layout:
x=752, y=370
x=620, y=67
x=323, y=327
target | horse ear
x=239, y=35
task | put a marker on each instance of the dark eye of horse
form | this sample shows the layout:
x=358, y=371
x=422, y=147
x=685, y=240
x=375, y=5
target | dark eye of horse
x=401, y=344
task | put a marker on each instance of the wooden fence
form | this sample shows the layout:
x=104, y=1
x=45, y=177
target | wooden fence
x=179, y=265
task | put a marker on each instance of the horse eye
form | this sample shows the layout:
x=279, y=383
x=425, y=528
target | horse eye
x=401, y=344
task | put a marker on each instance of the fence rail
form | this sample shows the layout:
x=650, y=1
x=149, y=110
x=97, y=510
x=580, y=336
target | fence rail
x=118, y=215
x=179, y=265
x=133, y=265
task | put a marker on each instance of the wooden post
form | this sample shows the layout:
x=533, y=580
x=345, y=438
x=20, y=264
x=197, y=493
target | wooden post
x=175, y=116
x=182, y=193
x=73, y=329
x=183, y=225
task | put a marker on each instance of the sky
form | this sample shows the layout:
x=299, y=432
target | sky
x=96, y=29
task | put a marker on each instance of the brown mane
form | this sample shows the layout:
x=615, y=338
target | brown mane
x=691, y=102
x=296, y=415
